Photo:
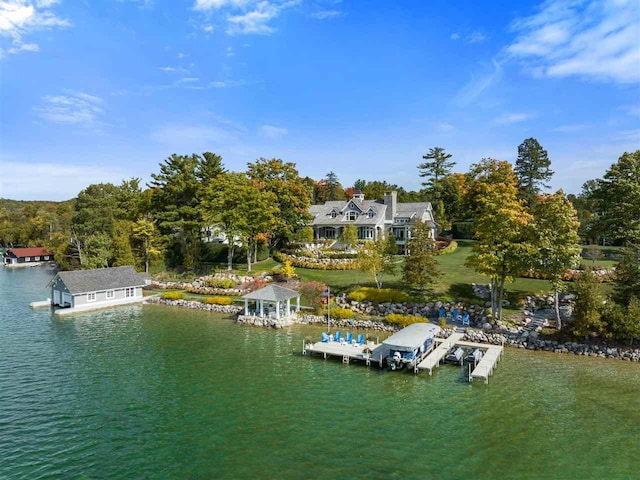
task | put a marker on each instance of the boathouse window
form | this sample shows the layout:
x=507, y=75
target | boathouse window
x=110, y=294
x=37, y=259
x=46, y=257
x=91, y=297
x=129, y=292
x=27, y=259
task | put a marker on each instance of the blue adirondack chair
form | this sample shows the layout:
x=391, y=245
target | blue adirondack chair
x=442, y=313
x=455, y=315
x=360, y=339
x=348, y=338
x=337, y=336
x=325, y=338
x=465, y=318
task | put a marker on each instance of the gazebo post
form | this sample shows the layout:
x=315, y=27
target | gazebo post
x=261, y=308
x=298, y=303
x=288, y=307
x=246, y=306
x=277, y=309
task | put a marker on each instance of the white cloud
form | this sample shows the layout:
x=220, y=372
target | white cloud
x=270, y=131
x=444, y=127
x=208, y=28
x=73, y=108
x=455, y=36
x=475, y=37
x=254, y=21
x=181, y=55
x=326, y=14
x=594, y=38
x=189, y=80
x=217, y=4
x=510, y=118
x=478, y=85
x=19, y=18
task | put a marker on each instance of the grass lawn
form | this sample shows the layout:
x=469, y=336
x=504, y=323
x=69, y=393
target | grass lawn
x=455, y=281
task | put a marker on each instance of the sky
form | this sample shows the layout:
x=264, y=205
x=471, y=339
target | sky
x=102, y=91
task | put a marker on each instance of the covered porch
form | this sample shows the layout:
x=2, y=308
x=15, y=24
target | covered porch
x=272, y=301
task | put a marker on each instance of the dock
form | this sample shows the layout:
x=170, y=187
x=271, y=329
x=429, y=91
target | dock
x=375, y=353
x=41, y=304
x=437, y=354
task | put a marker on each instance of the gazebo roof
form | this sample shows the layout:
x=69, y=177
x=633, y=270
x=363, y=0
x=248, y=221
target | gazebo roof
x=272, y=293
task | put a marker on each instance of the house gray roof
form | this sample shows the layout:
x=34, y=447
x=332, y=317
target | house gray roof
x=322, y=213
x=272, y=293
x=83, y=281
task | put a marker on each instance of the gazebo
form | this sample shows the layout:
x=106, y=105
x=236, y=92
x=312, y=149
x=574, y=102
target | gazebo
x=272, y=297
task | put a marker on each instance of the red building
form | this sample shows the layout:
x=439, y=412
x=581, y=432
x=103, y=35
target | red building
x=27, y=256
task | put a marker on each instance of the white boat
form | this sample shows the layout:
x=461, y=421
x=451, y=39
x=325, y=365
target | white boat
x=410, y=345
x=455, y=355
x=474, y=356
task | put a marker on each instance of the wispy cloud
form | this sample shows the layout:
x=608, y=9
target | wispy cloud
x=245, y=17
x=571, y=128
x=479, y=84
x=455, y=36
x=510, y=118
x=270, y=131
x=475, y=37
x=72, y=108
x=326, y=14
x=19, y=18
x=594, y=38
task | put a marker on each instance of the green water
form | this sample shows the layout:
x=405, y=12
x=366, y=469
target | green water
x=154, y=392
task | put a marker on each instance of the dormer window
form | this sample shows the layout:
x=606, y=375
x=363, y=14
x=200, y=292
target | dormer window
x=352, y=216
x=371, y=213
x=334, y=214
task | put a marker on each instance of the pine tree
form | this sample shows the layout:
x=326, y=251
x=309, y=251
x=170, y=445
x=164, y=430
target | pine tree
x=532, y=169
x=420, y=266
x=435, y=170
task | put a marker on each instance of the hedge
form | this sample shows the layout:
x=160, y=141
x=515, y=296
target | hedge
x=218, y=301
x=219, y=282
x=403, y=320
x=340, y=313
x=299, y=263
x=174, y=295
x=379, y=295
x=452, y=247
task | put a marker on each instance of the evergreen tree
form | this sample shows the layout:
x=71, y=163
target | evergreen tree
x=420, y=266
x=334, y=188
x=434, y=170
x=588, y=305
x=627, y=277
x=532, y=169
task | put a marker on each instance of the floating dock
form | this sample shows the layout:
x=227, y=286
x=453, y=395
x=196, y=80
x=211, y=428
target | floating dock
x=41, y=304
x=375, y=353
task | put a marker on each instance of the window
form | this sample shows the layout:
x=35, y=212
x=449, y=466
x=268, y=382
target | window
x=351, y=215
x=130, y=292
x=334, y=214
x=37, y=259
x=371, y=213
x=91, y=297
x=110, y=294
x=27, y=259
x=46, y=257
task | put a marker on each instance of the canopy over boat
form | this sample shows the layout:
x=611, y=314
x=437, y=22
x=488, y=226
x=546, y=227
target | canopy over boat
x=412, y=337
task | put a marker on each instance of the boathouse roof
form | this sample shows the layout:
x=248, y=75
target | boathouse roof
x=83, y=281
x=412, y=336
x=29, y=252
x=272, y=293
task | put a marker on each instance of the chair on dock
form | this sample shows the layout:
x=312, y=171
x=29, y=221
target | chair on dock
x=465, y=318
x=348, y=338
x=337, y=336
x=442, y=313
x=455, y=315
x=360, y=340
x=325, y=338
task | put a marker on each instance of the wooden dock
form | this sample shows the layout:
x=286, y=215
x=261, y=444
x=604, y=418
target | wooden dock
x=437, y=354
x=349, y=351
x=487, y=363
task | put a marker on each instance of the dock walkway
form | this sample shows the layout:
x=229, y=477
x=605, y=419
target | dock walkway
x=349, y=351
x=438, y=353
x=487, y=363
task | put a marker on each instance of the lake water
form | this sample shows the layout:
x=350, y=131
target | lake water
x=155, y=392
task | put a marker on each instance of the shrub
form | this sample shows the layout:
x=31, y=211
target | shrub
x=218, y=301
x=442, y=321
x=403, y=320
x=312, y=292
x=453, y=245
x=220, y=282
x=174, y=295
x=379, y=295
x=462, y=230
x=340, y=313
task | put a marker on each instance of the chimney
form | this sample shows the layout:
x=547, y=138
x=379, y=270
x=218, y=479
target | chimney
x=391, y=201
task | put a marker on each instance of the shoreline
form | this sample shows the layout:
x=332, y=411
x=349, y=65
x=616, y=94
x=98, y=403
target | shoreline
x=531, y=342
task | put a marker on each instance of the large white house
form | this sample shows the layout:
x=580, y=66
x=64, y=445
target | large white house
x=372, y=218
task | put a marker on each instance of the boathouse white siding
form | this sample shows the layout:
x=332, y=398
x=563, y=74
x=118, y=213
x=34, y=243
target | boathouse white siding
x=92, y=289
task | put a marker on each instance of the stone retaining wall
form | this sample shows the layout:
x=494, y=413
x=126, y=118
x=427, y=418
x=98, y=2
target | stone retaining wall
x=228, y=309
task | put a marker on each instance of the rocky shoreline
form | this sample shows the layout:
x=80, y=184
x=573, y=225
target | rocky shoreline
x=523, y=339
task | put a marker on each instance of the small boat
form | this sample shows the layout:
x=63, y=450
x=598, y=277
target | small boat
x=474, y=356
x=410, y=345
x=455, y=355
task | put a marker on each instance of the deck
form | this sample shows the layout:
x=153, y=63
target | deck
x=487, y=363
x=437, y=354
x=349, y=351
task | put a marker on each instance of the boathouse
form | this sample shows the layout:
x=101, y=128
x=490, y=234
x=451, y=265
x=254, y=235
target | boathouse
x=272, y=301
x=82, y=290
x=24, y=257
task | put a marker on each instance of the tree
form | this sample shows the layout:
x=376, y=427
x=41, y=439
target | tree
x=349, y=236
x=174, y=204
x=588, y=305
x=121, y=242
x=622, y=323
x=292, y=196
x=435, y=170
x=98, y=250
x=145, y=235
x=242, y=209
x=618, y=196
x=627, y=276
x=502, y=248
x=532, y=169
x=420, y=266
x=555, y=239
x=334, y=188
x=452, y=195
x=376, y=258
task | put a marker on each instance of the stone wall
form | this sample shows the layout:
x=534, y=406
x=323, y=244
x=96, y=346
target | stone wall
x=227, y=309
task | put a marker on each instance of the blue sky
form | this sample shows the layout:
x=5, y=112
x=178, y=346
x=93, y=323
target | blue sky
x=95, y=91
